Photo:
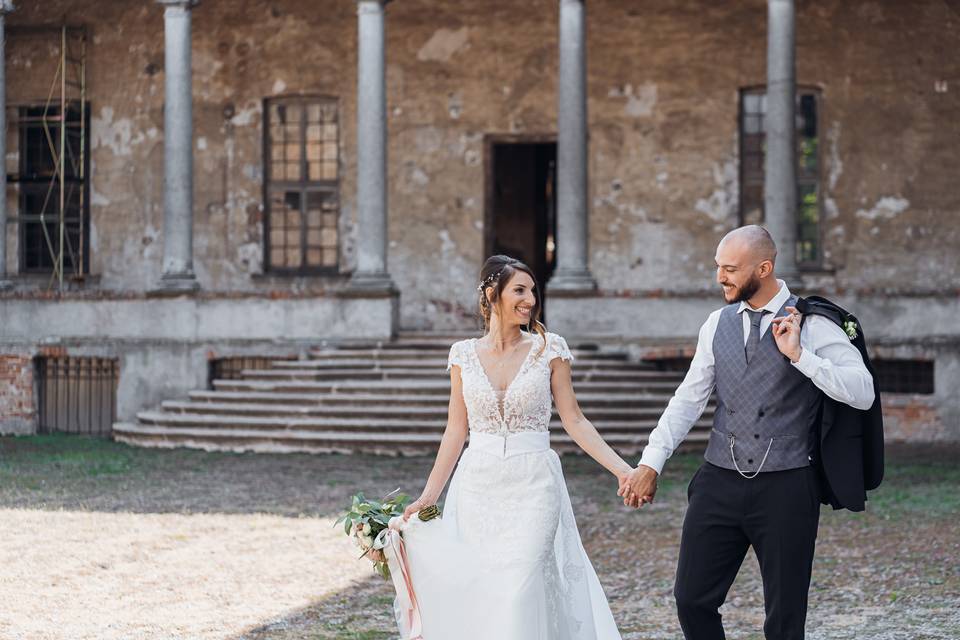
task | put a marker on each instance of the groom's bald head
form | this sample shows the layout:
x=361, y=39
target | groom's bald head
x=752, y=242
x=745, y=259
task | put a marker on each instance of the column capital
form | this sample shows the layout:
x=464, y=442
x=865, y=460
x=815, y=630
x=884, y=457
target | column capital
x=382, y=3
x=6, y=6
x=183, y=4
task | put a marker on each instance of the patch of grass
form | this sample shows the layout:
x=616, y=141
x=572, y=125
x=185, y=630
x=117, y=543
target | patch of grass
x=68, y=469
x=34, y=463
x=62, y=455
x=365, y=617
x=911, y=488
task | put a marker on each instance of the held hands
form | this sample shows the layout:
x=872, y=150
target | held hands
x=638, y=487
x=786, y=332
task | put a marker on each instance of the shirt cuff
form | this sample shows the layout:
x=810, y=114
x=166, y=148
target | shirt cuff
x=808, y=364
x=654, y=458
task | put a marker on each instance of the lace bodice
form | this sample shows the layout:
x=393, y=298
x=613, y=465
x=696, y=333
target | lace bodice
x=527, y=401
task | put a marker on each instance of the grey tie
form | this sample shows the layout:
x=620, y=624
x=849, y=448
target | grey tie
x=753, y=340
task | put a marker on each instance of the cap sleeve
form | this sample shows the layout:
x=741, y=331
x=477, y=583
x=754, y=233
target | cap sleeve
x=455, y=357
x=557, y=348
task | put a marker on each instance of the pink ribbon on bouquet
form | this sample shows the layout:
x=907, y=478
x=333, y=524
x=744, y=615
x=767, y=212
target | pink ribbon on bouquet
x=403, y=582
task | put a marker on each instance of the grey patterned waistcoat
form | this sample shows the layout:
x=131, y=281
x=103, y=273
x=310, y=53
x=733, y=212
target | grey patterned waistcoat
x=766, y=404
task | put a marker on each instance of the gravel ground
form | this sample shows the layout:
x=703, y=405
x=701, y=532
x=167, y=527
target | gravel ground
x=105, y=541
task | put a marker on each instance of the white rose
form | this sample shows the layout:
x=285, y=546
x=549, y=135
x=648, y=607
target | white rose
x=368, y=541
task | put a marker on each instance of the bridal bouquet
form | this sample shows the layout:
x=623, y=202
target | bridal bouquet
x=367, y=522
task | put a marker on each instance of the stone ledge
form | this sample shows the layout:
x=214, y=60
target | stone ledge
x=193, y=318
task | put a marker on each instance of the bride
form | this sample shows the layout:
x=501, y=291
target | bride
x=505, y=562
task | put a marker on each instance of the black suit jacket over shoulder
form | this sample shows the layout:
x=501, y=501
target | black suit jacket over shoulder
x=850, y=452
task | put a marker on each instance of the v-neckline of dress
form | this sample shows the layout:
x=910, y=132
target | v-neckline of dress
x=486, y=377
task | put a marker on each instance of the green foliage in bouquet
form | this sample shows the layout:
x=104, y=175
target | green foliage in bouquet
x=366, y=521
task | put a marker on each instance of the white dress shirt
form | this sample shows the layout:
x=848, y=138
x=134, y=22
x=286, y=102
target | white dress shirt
x=827, y=357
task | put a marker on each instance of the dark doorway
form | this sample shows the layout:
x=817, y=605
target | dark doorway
x=521, y=203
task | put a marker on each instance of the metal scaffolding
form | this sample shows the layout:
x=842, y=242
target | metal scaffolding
x=57, y=173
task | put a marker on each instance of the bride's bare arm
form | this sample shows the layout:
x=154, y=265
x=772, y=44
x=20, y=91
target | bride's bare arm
x=450, y=446
x=576, y=424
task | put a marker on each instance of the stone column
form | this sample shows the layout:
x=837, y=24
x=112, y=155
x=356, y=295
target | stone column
x=6, y=6
x=371, y=271
x=177, y=149
x=780, y=169
x=572, y=272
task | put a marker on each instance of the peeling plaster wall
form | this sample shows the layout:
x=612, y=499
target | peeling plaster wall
x=663, y=88
x=243, y=52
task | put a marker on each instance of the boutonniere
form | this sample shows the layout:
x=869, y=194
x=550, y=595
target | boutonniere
x=850, y=327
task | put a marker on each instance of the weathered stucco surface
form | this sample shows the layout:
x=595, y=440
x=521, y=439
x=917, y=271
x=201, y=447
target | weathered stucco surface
x=663, y=88
x=663, y=83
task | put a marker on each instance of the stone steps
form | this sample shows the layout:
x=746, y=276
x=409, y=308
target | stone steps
x=390, y=398
x=406, y=386
x=586, y=400
x=398, y=373
x=380, y=412
x=386, y=443
x=359, y=423
x=435, y=364
x=436, y=360
x=420, y=349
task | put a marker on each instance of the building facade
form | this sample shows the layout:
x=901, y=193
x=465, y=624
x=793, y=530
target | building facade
x=249, y=177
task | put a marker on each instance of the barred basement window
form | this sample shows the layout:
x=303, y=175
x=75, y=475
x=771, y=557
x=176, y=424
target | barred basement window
x=77, y=394
x=904, y=376
x=753, y=107
x=231, y=367
x=302, y=182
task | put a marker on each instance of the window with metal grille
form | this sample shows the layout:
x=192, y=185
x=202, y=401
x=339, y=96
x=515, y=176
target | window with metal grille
x=904, y=375
x=302, y=185
x=47, y=141
x=753, y=107
x=77, y=394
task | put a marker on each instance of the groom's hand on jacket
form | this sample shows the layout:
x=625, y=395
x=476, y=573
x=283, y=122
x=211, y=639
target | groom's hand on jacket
x=639, y=488
x=786, y=333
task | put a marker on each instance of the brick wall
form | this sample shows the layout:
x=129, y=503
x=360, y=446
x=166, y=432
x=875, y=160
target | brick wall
x=18, y=412
x=913, y=418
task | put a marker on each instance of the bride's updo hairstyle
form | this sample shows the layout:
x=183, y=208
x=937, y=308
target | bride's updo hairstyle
x=496, y=273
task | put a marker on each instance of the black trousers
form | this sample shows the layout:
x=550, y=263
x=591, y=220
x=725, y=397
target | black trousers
x=777, y=513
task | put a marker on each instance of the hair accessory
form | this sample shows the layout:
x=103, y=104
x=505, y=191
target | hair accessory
x=490, y=280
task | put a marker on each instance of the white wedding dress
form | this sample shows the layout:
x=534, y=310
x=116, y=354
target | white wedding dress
x=505, y=561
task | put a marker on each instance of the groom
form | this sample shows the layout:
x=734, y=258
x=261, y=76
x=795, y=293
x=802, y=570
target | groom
x=758, y=486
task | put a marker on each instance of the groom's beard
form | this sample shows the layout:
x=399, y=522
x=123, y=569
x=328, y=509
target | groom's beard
x=747, y=291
